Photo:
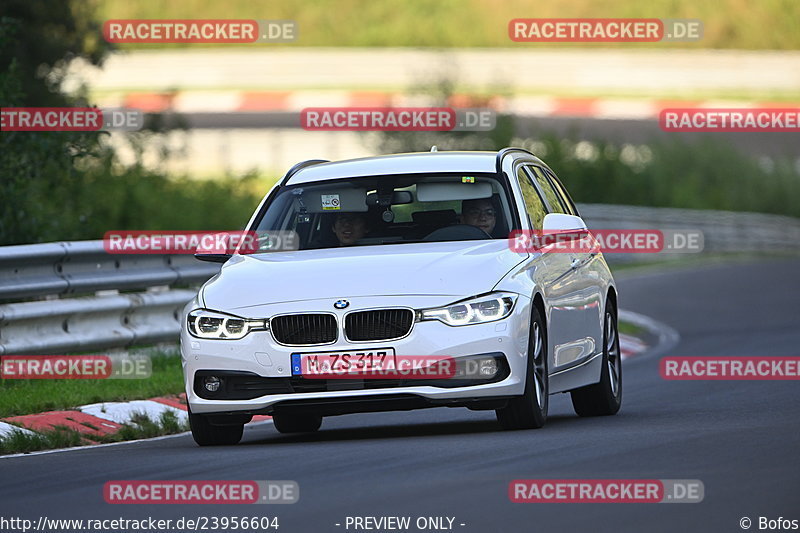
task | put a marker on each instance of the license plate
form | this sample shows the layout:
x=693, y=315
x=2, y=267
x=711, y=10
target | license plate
x=349, y=362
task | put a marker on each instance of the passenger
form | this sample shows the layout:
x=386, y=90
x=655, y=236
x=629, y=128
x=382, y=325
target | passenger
x=349, y=228
x=479, y=213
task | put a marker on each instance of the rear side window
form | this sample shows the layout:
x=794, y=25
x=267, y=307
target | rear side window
x=533, y=202
x=551, y=196
x=562, y=193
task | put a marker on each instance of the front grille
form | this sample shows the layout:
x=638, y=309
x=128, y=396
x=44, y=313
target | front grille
x=380, y=324
x=304, y=329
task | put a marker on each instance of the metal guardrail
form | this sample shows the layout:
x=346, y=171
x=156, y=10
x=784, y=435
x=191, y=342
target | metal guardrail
x=68, y=268
x=74, y=304
x=78, y=304
x=723, y=231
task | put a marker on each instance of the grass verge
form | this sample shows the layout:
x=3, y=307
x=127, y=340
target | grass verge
x=26, y=396
x=475, y=23
x=140, y=427
x=629, y=328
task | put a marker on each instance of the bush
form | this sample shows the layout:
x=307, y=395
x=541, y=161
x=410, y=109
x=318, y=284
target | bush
x=710, y=174
x=70, y=186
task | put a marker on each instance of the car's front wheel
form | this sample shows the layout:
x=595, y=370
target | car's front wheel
x=529, y=411
x=207, y=434
x=604, y=398
x=296, y=423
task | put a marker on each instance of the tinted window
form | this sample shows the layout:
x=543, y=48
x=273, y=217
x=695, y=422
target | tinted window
x=562, y=193
x=550, y=194
x=533, y=202
x=353, y=211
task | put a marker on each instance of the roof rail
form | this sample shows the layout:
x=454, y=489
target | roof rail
x=502, y=153
x=300, y=166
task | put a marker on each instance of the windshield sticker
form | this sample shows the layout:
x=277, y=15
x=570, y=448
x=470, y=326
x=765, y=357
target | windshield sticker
x=330, y=202
x=467, y=179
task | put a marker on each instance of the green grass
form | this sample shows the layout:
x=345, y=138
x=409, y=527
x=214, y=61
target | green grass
x=21, y=397
x=731, y=24
x=141, y=427
x=19, y=442
x=628, y=328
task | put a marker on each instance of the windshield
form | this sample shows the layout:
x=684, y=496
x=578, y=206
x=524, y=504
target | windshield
x=391, y=210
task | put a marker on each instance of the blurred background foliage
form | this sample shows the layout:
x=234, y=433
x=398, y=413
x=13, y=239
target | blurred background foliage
x=72, y=186
x=731, y=24
x=668, y=172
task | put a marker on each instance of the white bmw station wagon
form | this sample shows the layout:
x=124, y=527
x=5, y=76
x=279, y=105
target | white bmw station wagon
x=399, y=259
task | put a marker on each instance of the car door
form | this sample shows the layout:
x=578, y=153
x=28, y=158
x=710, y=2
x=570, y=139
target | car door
x=587, y=285
x=571, y=286
x=553, y=273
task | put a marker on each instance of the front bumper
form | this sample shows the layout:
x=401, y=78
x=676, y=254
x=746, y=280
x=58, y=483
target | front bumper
x=258, y=354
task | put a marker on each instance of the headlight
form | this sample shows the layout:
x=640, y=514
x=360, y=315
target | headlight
x=487, y=308
x=205, y=324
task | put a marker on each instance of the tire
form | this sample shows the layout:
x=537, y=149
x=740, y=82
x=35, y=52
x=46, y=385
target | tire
x=604, y=398
x=529, y=411
x=297, y=423
x=206, y=434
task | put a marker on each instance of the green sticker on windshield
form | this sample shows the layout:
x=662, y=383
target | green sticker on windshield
x=467, y=179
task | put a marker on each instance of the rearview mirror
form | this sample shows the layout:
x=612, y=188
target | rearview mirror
x=398, y=198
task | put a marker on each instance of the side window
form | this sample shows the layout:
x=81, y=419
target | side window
x=550, y=194
x=533, y=202
x=562, y=192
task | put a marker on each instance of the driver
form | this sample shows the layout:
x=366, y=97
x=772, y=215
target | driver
x=479, y=213
x=349, y=228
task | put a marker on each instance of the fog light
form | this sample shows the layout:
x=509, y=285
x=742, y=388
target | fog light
x=488, y=367
x=212, y=383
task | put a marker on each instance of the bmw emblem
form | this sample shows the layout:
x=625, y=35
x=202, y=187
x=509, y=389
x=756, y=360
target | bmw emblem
x=341, y=304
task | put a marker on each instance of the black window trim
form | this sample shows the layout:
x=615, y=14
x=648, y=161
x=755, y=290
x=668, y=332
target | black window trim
x=521, y=164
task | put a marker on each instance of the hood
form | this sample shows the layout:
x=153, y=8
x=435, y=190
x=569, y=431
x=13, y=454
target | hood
x=460, y=269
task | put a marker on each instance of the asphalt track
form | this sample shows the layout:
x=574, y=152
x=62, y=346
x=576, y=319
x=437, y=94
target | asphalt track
x=740, y=439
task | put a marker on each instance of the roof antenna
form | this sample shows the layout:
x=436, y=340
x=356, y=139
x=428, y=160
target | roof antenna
x=434, y=148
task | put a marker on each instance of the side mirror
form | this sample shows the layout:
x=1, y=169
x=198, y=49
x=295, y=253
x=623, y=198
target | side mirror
x=214, y=248
x=567, y=233
x=212, y=258
x=559, y=222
